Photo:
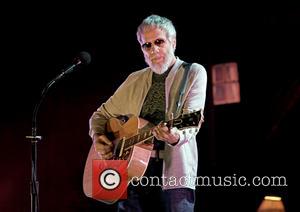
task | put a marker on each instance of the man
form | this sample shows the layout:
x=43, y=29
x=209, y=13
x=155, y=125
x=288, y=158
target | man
x=167, y=88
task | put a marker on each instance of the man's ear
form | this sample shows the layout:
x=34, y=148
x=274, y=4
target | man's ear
x=174, y=43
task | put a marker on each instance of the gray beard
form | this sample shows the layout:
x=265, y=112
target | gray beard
x=160, y=69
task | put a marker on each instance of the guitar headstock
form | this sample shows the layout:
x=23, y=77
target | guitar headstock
x=193, y=119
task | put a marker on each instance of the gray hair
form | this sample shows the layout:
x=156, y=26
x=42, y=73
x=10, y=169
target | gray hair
x=156, y=21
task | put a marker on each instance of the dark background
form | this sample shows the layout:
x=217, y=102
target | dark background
x=253, y=138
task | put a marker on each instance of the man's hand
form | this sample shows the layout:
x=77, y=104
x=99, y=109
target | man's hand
x=103, y=146
x=163, y=133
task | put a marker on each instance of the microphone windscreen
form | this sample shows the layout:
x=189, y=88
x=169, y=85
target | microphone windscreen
x=84, y=57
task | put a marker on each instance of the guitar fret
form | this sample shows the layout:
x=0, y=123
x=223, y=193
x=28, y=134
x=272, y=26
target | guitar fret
x=138, y=137
x=131, y=141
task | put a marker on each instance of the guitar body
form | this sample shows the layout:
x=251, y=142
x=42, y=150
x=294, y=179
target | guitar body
x=133, y=141
x=137, y=155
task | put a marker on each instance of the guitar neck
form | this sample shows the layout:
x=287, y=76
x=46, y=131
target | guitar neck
x=182, y=122
x=141, y=137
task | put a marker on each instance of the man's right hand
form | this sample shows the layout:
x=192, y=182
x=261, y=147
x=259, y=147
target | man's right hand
x=103, y=146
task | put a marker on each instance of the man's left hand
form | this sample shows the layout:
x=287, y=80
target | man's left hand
x=163, y=133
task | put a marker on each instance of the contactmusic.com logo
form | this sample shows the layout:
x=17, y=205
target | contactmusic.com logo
x=109, y=180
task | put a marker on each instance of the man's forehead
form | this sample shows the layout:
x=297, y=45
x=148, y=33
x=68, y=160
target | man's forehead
x=153, y=34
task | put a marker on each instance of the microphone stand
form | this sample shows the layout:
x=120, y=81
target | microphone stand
x=34, y=184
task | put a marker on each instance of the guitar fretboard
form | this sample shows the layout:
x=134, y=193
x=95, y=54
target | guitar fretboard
x=182, y=122
x=137, y=139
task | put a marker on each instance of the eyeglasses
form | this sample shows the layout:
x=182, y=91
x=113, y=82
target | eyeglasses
x=158, y=42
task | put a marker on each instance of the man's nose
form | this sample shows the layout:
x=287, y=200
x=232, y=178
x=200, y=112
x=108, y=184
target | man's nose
x=154, y=49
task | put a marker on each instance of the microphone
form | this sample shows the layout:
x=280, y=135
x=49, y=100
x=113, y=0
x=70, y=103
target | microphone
x=83, y=58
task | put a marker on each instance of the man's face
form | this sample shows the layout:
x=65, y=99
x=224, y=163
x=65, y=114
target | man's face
x=158, y=50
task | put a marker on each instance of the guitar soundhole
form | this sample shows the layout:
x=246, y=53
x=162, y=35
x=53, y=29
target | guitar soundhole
x=123, y=118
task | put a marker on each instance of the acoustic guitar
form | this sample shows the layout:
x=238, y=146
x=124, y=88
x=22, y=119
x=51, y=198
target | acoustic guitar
x=133, y=141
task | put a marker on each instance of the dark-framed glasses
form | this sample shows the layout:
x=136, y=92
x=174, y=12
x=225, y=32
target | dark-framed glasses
x=158, y=42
